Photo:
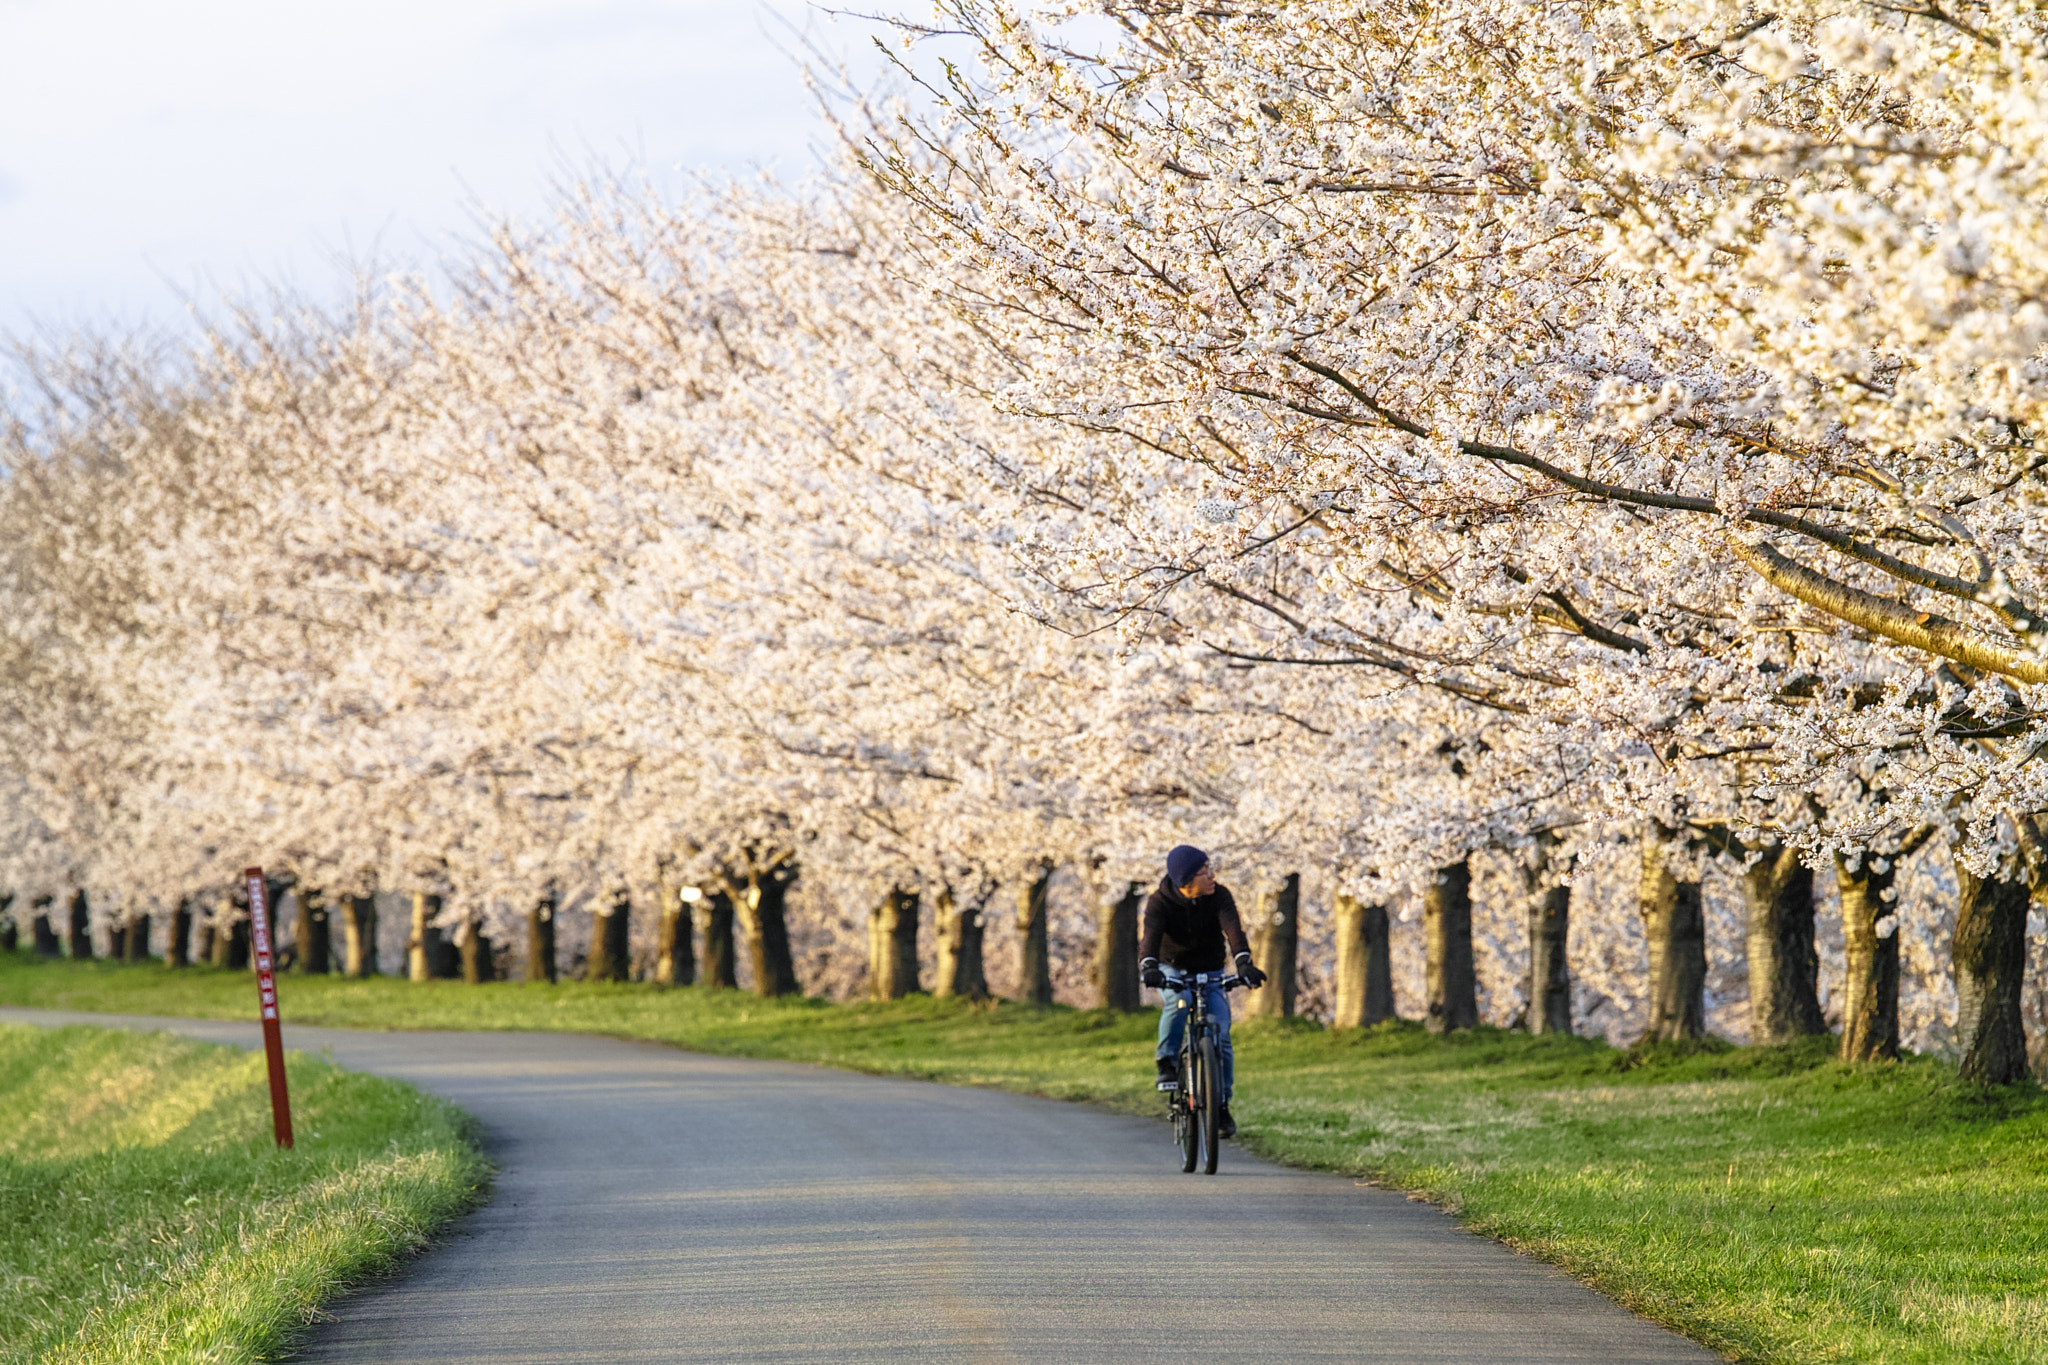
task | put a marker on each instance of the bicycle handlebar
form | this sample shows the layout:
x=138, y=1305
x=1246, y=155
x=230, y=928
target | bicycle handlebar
x=1228, y=982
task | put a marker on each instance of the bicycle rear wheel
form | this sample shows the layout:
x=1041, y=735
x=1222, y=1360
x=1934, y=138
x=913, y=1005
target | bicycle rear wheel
x=1209, y=1102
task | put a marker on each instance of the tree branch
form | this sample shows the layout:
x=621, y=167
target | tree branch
x=1990, y=592
x=1888, y=617
x=1365, y=658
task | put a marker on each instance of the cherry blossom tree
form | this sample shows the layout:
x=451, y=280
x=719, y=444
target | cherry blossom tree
x=1499, y=472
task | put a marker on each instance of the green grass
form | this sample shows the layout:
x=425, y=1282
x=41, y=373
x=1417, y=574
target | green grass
x=1768, y=1202
x=146, y=1216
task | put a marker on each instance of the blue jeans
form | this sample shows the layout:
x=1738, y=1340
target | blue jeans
x=1173, y=1026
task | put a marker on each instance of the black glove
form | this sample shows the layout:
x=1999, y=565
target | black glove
x=1149, y=973
x=1253, y=977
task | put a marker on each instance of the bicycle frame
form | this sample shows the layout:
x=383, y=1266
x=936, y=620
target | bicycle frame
x=1198, y=999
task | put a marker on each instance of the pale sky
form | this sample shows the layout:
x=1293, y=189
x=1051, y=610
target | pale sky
x=149, y=147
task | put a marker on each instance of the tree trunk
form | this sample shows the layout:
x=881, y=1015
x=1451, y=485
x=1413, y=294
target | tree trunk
x=475, y=948
x=892, y=946
x=45, y=933
x=444, y=956
x=2034, y=859
x=429, y=956
x=117, y=942
x=1870, y=990
x=721, y=963
x=1116, y=952
x=204, y=938
x=1675, y=923
x=1550, y=973
x=1276, y=947
x=960, y=934
x=136, y=946
x=315, y=934
x=231, y=931
x=1034, y=967
x=10, y=932
x=611, y=942
x=675, y=961
x=1990, y=965
x=274, y=889
x=764, y=919
x=177, y=952
x=416, y=968
x=1451, y=982
x=359, y=938
x=81, y=926
x=1784, y=966
x=540, y=940
x=1365, y=975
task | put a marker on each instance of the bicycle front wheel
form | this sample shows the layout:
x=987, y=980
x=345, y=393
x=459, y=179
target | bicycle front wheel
x=1186, y=1134
x=1208, y=1098
x=1187, y=1116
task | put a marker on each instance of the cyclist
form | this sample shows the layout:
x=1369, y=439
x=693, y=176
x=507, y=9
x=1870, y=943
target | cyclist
x=1189, y=921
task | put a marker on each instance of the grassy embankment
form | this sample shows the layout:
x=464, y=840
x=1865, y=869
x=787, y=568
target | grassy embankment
x=1769, y=1202
x=146, y=1216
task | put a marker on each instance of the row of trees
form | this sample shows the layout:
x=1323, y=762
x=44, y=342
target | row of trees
x=1522, y=959
x=1371, y=445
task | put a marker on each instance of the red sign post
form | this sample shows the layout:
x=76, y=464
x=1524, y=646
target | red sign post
x=266, y=990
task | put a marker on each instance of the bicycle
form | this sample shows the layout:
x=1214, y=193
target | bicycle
x=1197, y=1105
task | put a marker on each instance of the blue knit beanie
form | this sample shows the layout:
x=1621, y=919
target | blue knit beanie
x=1183, y=863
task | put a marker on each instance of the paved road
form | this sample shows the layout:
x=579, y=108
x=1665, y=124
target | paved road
x=653, y=1205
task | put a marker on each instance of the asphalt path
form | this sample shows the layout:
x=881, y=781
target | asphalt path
x=655, y=1205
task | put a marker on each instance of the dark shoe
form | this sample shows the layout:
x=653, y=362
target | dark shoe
x=1226, y=1126
x=1169, y=1074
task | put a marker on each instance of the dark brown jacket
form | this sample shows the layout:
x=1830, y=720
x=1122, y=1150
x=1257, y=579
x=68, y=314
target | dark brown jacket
x=1190, y=934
